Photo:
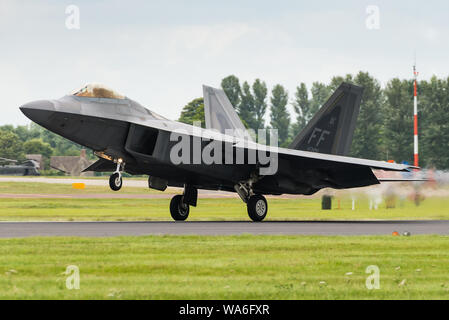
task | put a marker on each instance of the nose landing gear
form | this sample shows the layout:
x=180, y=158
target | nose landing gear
x=115, y=180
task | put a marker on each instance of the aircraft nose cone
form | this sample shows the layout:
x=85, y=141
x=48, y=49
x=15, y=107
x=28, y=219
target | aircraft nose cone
x=38, y=111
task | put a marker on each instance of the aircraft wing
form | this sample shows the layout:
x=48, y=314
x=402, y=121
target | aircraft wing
x=335, y=160
x=304, y=172
x=316, y=159
x=402, y=180
x=101, y=165
x=220, y=114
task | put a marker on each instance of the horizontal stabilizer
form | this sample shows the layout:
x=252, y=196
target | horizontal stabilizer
x=401, y=180
x=332, y=127
x=220, y=114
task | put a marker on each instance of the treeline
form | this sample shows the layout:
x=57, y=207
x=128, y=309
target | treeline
x=385, y=125
x=384, y=129
x=16, y=142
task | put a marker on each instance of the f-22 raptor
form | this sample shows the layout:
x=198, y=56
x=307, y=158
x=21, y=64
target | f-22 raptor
x=128, y=137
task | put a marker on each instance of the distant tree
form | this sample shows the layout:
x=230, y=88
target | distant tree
x=231, y=87
x=260, y=103
x=37, y=146
x=26, y=133
x=11, y=146
x=338, y=80
x=280, y=118
x=306, y=108
x=23, y=132
x=433, y=106
x=193, y=111
x=60, y=145
x=398, y=124
x=301, y=105
x=367, y=142
x=246, y=108
x=7, y=127
x=320, y=93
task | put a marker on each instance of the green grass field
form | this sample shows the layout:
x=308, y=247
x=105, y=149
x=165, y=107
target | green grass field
x=59, y=188
x=220, y=267
x=232, y=267
x=101, y=209
x=12, y=209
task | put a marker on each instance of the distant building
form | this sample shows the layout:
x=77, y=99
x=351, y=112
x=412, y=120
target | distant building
x=72, y=165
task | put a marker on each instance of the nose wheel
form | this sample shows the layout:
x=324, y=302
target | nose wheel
x=115, y=180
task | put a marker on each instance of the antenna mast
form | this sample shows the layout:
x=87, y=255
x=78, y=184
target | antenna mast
x=415, y=115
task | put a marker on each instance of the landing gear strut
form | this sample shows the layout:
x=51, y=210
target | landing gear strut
x=256, y=204
x=115, y=180
x=180, y=204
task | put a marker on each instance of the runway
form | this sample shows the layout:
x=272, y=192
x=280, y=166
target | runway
x=107, y=229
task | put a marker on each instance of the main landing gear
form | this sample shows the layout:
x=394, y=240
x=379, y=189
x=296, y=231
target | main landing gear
x=256, y=204
x=180, y=204
x=179, y=210
x=115, y=180
x=257, y=207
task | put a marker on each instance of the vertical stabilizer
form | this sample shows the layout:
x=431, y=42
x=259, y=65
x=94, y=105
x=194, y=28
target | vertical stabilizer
x=332, y=128
x=220, y=114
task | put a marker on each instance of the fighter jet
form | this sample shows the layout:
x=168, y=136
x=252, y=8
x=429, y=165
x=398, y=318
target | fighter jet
x=127, y=137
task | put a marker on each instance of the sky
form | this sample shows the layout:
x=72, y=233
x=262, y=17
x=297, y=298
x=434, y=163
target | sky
x=160, y=53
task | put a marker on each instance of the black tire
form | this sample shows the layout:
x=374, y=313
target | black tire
x=115, y=181
x=178, y=209
x=257, y=207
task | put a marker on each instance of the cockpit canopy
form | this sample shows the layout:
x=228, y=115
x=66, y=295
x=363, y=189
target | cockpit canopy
x=93, y=90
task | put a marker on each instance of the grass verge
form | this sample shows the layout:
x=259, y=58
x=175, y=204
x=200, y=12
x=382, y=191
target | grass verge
x=225, y=267
x=61, y=188
x=208, y=209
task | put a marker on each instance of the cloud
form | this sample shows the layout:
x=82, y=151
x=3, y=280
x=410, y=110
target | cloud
x=160, y=55
x=430, y=33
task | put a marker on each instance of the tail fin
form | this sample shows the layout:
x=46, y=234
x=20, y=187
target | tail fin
x=332, y=128
x=220, y=114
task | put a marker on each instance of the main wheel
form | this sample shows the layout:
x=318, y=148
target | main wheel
x=178, y=209
x=257, y=207
x=115, y=181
